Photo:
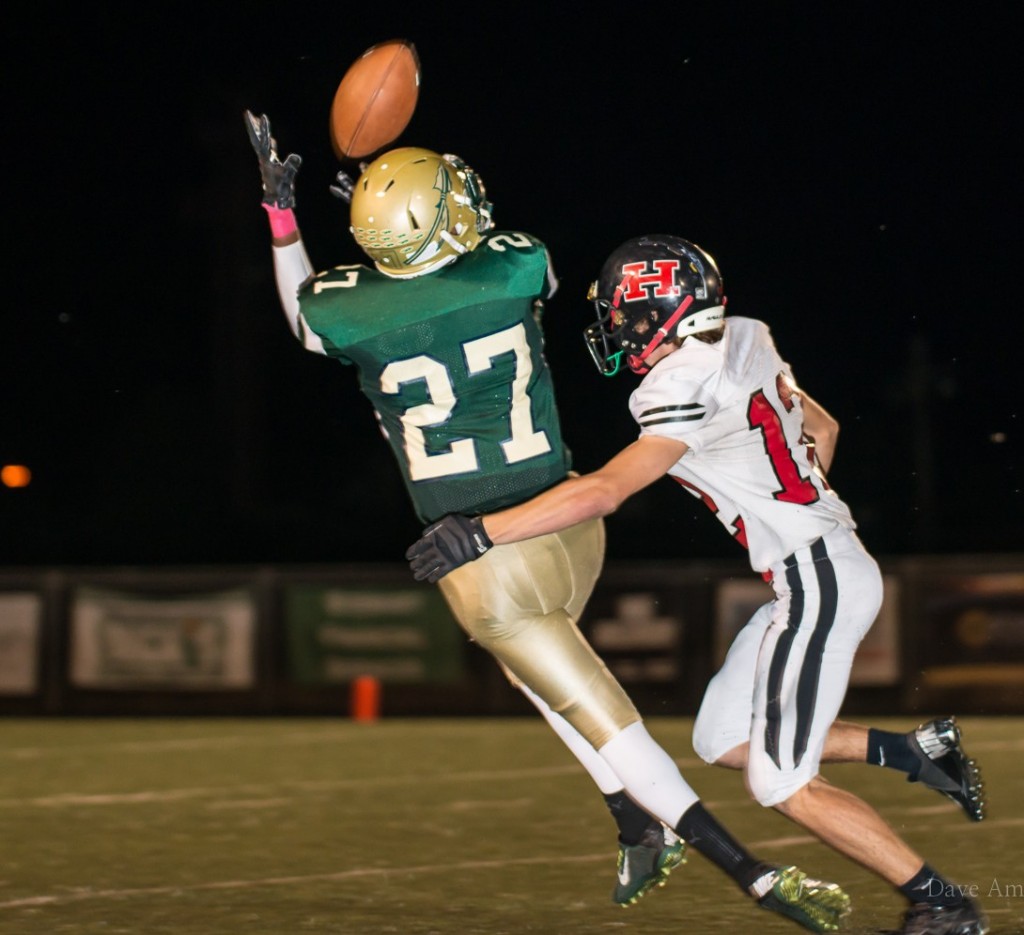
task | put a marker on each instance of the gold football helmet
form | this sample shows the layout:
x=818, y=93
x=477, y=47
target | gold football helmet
x=414, y=211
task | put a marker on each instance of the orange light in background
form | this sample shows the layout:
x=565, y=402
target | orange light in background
x=15, y=475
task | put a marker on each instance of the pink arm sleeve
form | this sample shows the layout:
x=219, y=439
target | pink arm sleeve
x=282, y=220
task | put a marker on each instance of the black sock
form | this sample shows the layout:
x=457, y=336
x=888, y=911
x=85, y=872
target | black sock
x=892, y=750
x=701, y=830
x=927, y=886
x=632, y=820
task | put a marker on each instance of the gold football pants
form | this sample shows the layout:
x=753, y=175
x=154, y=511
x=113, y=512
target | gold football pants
x=521, y=602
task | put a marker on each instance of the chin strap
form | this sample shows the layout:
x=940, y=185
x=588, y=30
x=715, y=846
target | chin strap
x=459, y=248
x=636, y=361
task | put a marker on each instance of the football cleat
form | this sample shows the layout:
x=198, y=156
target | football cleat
x=964, y=919
x=814, y=904
x=945, y=767
x=647, y=864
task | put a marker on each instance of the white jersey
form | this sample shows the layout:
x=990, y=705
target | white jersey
x=736, y=407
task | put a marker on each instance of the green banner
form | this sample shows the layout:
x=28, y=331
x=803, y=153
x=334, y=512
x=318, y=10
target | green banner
x=337, y=633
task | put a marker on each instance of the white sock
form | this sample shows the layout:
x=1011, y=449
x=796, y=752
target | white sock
x=599, y=770
x=650, y=776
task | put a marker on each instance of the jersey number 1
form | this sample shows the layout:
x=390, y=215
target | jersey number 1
x=761, y=416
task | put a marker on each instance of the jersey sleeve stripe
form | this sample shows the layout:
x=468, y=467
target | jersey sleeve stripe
x=649, y=412
x=693, y=418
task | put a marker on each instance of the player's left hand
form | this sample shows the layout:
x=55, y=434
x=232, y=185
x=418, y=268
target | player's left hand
x=342, y=187
x=278, y=177
x=446, y=545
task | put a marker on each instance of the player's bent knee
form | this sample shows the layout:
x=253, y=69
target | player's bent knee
x=736, y=758
x=718, y=743
x=772, y=787
x=703, y=742
x=711, y=737
x=761, y=792
x=802, y=803
x=707, y=744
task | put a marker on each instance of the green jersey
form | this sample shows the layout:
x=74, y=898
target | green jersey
x=453, y=363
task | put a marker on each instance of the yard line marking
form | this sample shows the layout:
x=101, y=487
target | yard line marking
x=940, y=809
x=469, y=805
x=332, y=735
x=81, y=896
x=63, y=799
x=227, y=741
x=276, y=790
x=994, y=744
x=28, y=902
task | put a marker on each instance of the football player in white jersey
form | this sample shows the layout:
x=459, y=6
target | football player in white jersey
x=720, y=412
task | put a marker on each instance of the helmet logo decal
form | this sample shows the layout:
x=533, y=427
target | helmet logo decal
x=636, y=277
x=443, y=186
x=651, y=290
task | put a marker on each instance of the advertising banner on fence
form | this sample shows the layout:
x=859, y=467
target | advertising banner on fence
x=20, y=628
x=975, y=624
x=638, y=641
x=199, y=642
x=337, y=633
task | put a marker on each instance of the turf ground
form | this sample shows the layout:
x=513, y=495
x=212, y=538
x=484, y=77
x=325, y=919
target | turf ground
x=418, y=827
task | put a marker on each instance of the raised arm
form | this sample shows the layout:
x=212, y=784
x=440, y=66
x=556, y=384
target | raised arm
x=291, y=263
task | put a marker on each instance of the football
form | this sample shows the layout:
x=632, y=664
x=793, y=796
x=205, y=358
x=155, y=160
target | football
x=376, y=99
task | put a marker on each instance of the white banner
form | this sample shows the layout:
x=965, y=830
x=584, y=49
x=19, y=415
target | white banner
x=143, y=642
x=20, y=627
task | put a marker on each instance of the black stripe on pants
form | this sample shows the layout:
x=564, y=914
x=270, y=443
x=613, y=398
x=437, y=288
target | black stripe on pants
x=780, y=656
x=810, y=669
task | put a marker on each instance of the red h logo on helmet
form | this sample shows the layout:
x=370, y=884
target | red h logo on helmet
x=637, y=278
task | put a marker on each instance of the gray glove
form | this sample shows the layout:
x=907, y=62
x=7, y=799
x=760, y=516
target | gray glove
x=278, y=177
x=344, y=183
x=342, y=187
x=446, y=545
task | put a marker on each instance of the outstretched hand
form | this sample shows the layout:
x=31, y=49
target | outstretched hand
x=342, y=187
x=448, y=544
x=278, y=176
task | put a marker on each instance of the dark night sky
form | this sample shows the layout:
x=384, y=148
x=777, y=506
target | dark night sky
x=852, y=171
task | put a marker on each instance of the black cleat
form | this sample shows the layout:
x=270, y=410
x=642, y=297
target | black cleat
x=945, y=767
x=923, y=919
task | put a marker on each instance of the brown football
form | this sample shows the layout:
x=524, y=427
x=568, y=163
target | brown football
x=376, y=98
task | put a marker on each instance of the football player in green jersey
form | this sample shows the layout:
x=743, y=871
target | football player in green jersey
x=444, y=332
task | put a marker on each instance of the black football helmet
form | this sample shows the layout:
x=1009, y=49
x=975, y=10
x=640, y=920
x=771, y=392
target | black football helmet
x=651, y=288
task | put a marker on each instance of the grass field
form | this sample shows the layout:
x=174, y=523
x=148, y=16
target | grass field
x=418, y=827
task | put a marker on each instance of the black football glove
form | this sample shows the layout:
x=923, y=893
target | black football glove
x=278, y=177
x=446, y=545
